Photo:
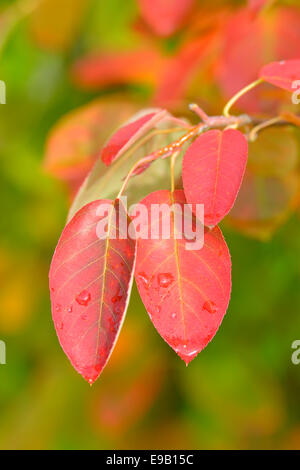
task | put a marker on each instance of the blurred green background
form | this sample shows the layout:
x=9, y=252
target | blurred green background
x=243, y=390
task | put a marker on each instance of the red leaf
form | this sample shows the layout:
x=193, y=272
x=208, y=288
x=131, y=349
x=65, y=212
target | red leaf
x=282, y=74
x=165, y=16
x=96, y=71
x=186, y=293
x=213, y=169
x=130, y=133
x=90, y=283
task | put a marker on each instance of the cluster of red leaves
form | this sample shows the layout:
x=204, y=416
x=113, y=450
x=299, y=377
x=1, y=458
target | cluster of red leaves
x=185, y=292
x=220, y=45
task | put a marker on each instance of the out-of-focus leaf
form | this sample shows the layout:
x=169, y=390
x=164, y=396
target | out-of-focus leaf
x=270, y=189
x=124, y=400
x=212, y=172
x=179, y=71
x=165, y=16
x=282, y=74
x=256, y=5
x=76, y=140
x=105, y=182
x=105, y=69
x=286, y=33
x=128, y=134
x=264, y=203
x=90, y=284
x=186, y=292
x=249, y=42
x=55, y=23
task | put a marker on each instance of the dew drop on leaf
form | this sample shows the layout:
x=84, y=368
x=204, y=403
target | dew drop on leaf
x=83, y=298
x=70, y=309
x=116, y=298
x=209, y=306
x=165, y=279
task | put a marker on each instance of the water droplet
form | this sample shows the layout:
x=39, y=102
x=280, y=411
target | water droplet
x=209, y=306
x=157, y=309
x=184, y=346
x=173, y=315
x=70, y=309
x=144, y=279
x=117, y=297
x=282, y=62
x=165, y=279
x=83, y=298
x=58, y=308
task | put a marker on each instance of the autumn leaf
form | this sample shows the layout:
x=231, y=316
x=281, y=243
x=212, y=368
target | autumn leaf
x=256, y=6
x=282, y=74
x=248, y=42
x=180, y=70
x=125, y=398
x=75, y=141
x=270, y=188
x=128, y=134
x=185, y=292
x=212, y=172
x=165, y=16
x=116, y=68
x=90, y=284
x=105, y=181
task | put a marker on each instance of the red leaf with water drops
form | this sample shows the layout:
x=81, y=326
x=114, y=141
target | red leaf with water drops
x=165, y=16
x=186, y=292
x=282, y=74
x=90, y=283
x=127, y=135
x=212, y=172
